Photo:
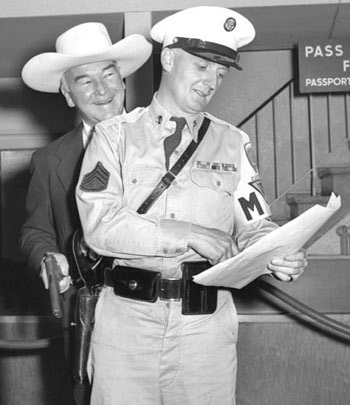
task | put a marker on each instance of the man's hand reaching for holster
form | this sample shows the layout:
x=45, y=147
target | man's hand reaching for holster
x=63, y=269
x=213, y=244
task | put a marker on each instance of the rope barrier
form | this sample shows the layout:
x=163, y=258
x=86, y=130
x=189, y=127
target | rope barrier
x=337, y=328
x=30, y=344
x=35, y=344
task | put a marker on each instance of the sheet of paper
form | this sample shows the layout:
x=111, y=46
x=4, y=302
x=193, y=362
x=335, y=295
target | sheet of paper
x=251, y=263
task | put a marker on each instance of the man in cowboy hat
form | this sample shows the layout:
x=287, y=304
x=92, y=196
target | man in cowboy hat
x=89, y=71
x=158, y=337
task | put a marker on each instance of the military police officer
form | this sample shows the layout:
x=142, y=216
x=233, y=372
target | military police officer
x=159, y=339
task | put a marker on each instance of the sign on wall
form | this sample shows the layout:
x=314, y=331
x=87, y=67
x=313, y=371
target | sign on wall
x=324, y=66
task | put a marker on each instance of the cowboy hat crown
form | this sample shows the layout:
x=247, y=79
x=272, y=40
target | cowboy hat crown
x=82, y=44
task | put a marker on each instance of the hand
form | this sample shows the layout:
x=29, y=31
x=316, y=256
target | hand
x=63, y=276
x=290, y=267
x=212, y=244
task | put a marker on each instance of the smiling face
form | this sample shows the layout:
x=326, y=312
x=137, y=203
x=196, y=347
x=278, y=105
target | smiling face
x=188, y=82
x=95, y=89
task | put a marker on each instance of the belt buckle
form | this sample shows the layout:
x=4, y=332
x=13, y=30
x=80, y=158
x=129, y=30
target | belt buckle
x=170, y=289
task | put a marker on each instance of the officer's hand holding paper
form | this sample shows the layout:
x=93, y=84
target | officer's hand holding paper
x=252, y=262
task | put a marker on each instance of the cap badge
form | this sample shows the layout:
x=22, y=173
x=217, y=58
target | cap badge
x=230, y=24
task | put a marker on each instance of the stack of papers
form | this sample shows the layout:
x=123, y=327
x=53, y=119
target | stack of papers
x=252, y=262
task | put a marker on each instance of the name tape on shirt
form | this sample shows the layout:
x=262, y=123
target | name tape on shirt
x=226, y=167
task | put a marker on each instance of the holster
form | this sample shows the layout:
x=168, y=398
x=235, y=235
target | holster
x=197, y=299
x=84, y=319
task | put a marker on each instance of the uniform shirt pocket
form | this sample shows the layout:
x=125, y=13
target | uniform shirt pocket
x=139, y=182
x=142, y=175
x=213, y=191
x=216, y=180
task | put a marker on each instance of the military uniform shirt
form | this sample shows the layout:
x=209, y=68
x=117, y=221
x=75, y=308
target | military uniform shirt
x=218, y=188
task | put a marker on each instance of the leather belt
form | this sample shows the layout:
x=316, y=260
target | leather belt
x=149, y=286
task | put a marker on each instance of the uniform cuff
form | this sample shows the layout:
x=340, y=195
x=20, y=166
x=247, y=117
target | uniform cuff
x=173, y=237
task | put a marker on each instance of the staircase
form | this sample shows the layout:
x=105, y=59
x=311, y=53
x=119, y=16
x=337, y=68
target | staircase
x=334, y=237
x=302, y=148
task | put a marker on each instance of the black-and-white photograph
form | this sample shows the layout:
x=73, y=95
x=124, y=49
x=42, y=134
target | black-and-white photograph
x=175, y=202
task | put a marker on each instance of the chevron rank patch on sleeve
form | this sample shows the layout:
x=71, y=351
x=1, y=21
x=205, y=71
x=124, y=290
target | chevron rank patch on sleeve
x=96, y=180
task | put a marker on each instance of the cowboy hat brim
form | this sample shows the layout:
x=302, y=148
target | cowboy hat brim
x=44, y=72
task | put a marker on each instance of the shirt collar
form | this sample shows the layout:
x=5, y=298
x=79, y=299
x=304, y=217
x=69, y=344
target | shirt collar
x=88, y=131
x=160, y=117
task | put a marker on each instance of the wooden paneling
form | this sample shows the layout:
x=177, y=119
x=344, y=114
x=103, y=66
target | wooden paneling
x=338, y=128
x=266, y=150
x=301, y=141
x=286, y=363
x=283, y=142
x=283, y=150
x=286, y=358
x=318, y=110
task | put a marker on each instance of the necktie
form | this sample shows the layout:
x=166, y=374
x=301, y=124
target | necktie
x=173, y=141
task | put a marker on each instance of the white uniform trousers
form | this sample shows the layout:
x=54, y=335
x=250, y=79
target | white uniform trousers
x=150, y=354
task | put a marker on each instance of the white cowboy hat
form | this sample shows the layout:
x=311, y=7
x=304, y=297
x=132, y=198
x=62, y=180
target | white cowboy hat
x=84, y=43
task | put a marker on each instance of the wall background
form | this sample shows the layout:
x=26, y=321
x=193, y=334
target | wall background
x=290, y=133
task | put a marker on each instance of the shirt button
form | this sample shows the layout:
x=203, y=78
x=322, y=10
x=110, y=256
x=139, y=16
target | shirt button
x=178, y=250
x=172, y=215
x=134, y=181
x=174, y=183
x=165, y=251
x=176, y=152
x=218, y=183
